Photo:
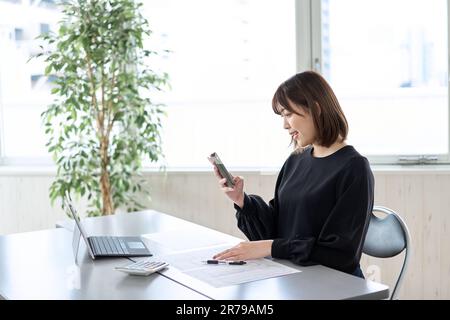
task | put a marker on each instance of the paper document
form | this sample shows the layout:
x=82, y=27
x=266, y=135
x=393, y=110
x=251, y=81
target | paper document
x=221, y=275
x=182, y=239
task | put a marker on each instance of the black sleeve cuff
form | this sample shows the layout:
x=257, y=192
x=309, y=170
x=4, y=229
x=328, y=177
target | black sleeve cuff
x=280, y=248
x=247, y=205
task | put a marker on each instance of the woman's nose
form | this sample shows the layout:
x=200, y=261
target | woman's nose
x=286, y=124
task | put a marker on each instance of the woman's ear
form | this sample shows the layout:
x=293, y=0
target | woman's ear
x=319, y=109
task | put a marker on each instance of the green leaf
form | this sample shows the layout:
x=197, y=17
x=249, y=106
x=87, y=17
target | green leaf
x=48, y=69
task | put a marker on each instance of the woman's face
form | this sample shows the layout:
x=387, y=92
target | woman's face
x=300, y=126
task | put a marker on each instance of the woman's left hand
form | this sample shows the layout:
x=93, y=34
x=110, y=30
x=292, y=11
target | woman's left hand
x=246, y=251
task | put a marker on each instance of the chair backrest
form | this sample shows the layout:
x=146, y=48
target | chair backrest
x=388, y=237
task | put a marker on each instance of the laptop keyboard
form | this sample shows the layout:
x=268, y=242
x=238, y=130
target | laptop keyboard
x=107, y=245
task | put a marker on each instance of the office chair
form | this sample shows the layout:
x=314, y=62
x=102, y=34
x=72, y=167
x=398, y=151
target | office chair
x=388, y=237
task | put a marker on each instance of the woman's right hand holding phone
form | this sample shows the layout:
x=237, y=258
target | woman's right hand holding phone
x=236, y=194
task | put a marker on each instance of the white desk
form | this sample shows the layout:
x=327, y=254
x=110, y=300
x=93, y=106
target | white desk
x=54, y=274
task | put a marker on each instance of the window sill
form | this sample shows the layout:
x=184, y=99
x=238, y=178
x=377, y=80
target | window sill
x=49, y=171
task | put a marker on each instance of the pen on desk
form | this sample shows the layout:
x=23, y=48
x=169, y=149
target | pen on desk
x=225, y=262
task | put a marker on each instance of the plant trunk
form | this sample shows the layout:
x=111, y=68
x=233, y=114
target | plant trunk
x=105, y=186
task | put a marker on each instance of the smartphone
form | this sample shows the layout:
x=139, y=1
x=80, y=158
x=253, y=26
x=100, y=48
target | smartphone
x=215, y=160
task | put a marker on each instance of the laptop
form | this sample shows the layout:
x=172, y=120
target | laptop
x=108, y=246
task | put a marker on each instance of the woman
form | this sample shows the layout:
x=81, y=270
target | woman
x=324, y=191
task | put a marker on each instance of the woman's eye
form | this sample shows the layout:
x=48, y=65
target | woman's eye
x=285, y=115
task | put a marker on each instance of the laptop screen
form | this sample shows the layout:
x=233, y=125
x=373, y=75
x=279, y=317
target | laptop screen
x=78, y=223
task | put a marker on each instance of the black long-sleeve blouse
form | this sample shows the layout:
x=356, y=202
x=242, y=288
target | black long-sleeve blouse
x=320, y=211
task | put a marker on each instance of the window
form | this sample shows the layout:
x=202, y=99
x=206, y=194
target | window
x=228, y=57
x=45, y=28
x=386, y=60
x=388, y=63
x=18, y=34
x=24, y=91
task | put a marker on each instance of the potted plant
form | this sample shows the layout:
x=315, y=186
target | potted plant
x=102, y=121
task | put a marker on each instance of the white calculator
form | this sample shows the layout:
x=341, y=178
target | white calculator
x=143, y=267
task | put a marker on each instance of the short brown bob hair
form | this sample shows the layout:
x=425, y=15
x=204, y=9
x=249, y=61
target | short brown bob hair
x=311, y=91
